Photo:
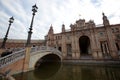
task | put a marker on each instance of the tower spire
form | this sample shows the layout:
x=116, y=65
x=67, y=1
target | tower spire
x=63, y=28
x=51, y=30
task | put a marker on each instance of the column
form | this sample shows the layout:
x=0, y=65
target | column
x=94, y=46
x=26, y=59
x=103, y=48
x=99, y=52
x=77, y=47
x=64, y=52
x=96, y=49
x=107, y=48
x=111, y=43
x=73, y=46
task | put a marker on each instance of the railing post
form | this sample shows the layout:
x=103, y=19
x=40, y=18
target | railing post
x=26, y=59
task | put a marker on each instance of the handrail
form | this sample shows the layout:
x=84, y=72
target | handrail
x=11, y=58
x=12, y=54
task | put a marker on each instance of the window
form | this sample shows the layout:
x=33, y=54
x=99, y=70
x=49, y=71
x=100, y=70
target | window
x=56, y=37
x=117, y=45
x=118, y=36
x=101, y=33
x=69, y=50
x=104, y=48
x=68, y=36
x=114, y=30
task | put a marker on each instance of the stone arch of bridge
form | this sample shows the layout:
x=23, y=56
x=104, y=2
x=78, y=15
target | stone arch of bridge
x=38, y=58
x=47, y=59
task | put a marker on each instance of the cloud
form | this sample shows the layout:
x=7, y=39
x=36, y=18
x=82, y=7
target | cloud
x=55, y=12
x=3, y=23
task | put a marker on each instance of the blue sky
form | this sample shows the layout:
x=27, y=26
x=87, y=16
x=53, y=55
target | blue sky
x=55, y=12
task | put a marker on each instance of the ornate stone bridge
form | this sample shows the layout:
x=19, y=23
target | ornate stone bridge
x=42, y=54
x=28, y=58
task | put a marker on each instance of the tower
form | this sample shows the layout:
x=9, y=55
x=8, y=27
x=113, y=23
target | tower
x=50, y=36
x=105, y=20
x=63, y=28
x=51, y=30
x=110, y=39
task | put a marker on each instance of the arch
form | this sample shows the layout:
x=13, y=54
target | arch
x=47, y=59
x=84, y=45
x=36, y=57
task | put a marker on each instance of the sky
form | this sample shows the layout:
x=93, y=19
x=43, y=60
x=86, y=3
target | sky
x=53, y=12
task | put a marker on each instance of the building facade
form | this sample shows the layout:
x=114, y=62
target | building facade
x=16, y=43
x=85, y=39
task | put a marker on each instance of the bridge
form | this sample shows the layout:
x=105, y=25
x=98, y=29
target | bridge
x=28, y=59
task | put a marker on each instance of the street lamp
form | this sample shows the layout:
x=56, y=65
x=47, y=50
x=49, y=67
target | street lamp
x=34, y=9
x=5, y=39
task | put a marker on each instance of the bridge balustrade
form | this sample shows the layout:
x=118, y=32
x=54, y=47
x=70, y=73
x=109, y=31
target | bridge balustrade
x=4, y=61
x=45, y=49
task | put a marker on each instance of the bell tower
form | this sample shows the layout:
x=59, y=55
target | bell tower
x=63, y=28
x=50, y=36
x=110, y=39
x=51, y=30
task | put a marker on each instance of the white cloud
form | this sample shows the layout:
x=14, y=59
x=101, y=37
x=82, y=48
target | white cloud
x=55, y=12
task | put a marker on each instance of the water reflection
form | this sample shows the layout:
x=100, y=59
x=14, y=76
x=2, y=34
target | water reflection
x=46, y=70
x=72, y=72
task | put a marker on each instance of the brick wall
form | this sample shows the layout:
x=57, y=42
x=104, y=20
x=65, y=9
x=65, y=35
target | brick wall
x=15, y=67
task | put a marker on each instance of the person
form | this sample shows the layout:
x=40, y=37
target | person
x=6, y=53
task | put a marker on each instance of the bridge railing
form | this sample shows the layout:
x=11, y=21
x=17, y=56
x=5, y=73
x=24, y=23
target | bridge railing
x=4, y=61
x=45, y=49
x=15, y=56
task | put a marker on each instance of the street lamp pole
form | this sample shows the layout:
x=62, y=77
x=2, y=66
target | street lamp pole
x=34, y=9
x=5, y=38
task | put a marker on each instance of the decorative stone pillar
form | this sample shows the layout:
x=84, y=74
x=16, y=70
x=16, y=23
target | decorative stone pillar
x=77, y=48
x=99, y=52
x=73, y=46
x=111, y=43
x=96, y=51
x=26, y=59
x=64, y=52
x=94, y=46
x=100, y=55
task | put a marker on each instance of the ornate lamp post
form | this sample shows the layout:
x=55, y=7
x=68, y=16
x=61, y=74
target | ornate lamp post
x=34, y=9
x=5, y=39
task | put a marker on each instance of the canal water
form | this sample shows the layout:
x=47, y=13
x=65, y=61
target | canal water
x=62, y=71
